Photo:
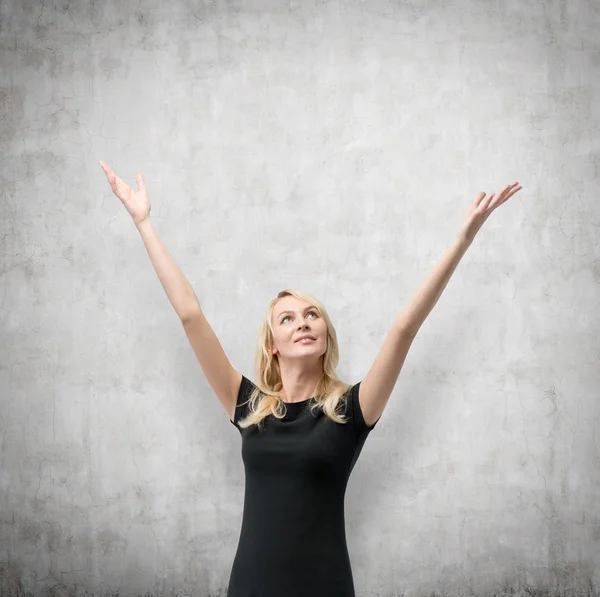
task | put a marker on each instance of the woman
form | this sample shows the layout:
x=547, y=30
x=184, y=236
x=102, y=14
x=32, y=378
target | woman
x=302, y=428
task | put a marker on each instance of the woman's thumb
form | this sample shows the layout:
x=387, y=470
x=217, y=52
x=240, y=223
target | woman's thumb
x=140, y=182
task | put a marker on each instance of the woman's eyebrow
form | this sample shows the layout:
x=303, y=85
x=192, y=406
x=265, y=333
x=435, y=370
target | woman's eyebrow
x=288, y=311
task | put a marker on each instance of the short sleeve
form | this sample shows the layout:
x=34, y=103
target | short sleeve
x=355, y=412
x=241, y=408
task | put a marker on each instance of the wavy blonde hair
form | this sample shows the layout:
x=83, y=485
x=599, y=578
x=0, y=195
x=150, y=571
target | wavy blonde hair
x=266, y=399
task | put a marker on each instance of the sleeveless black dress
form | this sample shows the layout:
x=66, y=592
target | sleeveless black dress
x=293, y=538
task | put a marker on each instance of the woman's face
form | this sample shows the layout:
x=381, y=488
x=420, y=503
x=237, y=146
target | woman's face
x=292, y=319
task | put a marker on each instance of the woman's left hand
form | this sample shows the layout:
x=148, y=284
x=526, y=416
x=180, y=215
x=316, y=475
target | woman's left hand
x=479, y=211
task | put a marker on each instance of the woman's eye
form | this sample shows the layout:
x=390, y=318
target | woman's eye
x=288, y=316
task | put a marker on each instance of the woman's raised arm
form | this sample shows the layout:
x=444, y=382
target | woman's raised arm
x=222, y=377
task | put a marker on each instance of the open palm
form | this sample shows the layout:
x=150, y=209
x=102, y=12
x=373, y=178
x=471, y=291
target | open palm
x=135, y=202
x=479, y=211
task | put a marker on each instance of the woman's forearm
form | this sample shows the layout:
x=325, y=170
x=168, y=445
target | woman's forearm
x=421, y=304
x=413, y=315
x=178, y=289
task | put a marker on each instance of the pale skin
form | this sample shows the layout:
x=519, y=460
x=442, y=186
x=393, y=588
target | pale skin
x=377, y=385
x=301, y=364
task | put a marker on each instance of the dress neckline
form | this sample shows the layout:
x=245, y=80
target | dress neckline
x=299, y=402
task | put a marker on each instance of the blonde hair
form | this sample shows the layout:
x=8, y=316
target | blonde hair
x=265, y=399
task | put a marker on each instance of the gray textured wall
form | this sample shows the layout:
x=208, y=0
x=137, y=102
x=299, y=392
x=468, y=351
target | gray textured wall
x=326, y=146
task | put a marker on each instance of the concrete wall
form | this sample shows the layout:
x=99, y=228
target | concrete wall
x=327, y=146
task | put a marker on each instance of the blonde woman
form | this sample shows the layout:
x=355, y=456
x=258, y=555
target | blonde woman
x=302, y=428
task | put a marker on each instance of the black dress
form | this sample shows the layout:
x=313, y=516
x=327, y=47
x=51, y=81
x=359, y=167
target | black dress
x=293, y=538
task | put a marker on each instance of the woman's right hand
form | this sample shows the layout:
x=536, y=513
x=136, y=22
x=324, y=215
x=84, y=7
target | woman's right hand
x=136, y=202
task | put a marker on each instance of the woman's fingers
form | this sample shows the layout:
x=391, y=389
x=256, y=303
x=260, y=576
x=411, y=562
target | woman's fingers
x=110, y=175
x=119, y=187
x=507, y=192
x=107, y=169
